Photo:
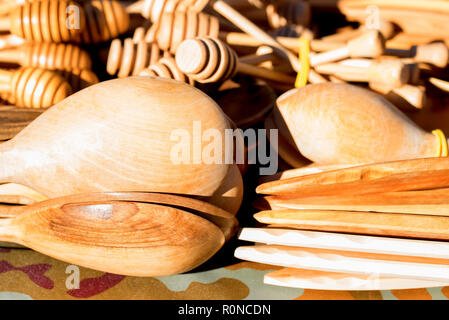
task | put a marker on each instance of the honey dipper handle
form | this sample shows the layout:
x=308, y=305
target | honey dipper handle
x=11, y=55
x=5, y=23
x=10, y=41
x=5, y=76
x=249, y=27
x=263, y=73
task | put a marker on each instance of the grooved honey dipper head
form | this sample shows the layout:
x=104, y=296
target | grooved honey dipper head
x=56, y=56
x=47, y=20
x=206, y=60
x=38, y=88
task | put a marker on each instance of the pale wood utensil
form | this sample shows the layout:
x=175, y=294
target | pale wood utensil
x=347, y=242
x=382, y=224
x=13, y=193
x=154, y=9
x=322, y=280
x=33, y=87
x=51, y=56
x=386, y=28
x=390, y=73
x=348, y=262
x=168, y=69
x=405, y=175
x=131, y=57
x=443, y=85
x=429, y=202
x=370, y=44
x=8, y=41
x=129, y=238
x=291, y=43
x=226, y=221
x=339, y=123
x=45, y=21
x=83, y=145
x=210, y=60
x=436, y=53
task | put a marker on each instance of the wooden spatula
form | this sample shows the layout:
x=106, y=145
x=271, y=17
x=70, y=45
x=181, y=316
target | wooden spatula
x=346, y=242
x=347, y=262
x=429, y=202
x=322, y=280
x=402, y=175
x=383, y=224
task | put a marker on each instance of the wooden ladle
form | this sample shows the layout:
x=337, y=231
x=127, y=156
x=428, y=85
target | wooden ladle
x=82, y=145
x=340, y=123
x=129, y=238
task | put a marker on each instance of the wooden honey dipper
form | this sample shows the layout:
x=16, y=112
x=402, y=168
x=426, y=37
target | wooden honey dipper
x=46, y=21
x=372, y=129
x=390, y=73
x=34, y=87
x=175, y=27
x=45, y=55
x=78, y=79
x=211, y=60
x=153, y=9
x=166, y=68
x=131, y=57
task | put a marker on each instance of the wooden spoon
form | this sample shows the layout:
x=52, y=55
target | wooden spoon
x=339, y=123
x=81, y=145
x=223, y=219
x=129, y=238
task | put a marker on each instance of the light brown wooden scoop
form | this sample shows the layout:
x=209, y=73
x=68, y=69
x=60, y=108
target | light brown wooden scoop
x=339, y=123
x=129, y=238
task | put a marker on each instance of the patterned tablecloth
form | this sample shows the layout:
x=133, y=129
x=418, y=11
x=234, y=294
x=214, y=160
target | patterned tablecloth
x=25, y=274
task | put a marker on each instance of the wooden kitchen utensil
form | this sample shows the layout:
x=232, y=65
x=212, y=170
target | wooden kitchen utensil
x=322, y=280
x=168, y=69
x=370, y=44
x=346, y=242
x=404, y=175
x=443, y=85
x=129, y=238
x=210, y=60
x=46, y=21
x=86, y=147
x=131, y=57
x=339, y=123
x=51, y=56
x=390, y=73
x=435, y=53
x=153, y=9
x=381, y=224
x=348, y=262
x=430, y=202
x=223, y=219
x=34, y=87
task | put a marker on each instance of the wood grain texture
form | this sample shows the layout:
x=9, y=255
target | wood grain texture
x=136, y=239
x=403, y=175
x=87, y=147
x=339, y=123
x=322, y=280
x=382, y=224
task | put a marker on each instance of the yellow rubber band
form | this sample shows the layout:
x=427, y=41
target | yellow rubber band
x=304, y=50
x=442, y=146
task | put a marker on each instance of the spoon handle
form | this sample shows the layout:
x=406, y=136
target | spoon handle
x=8, y=231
